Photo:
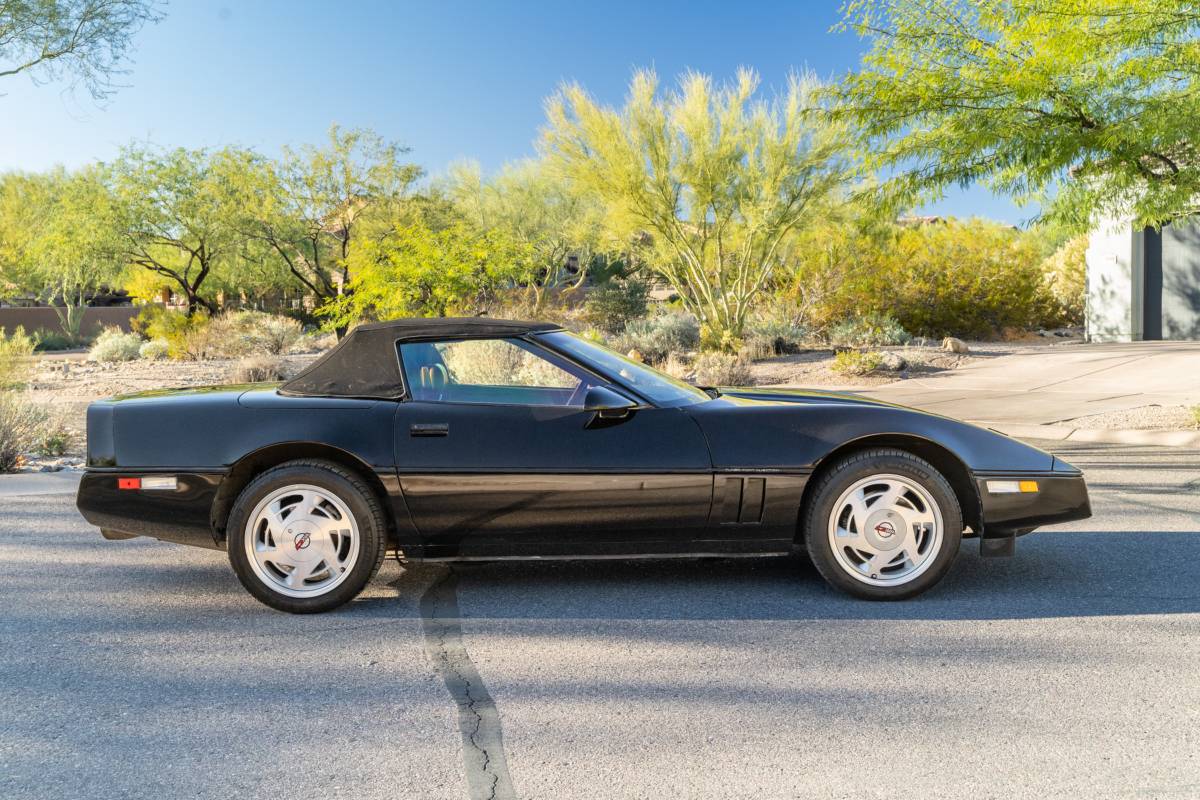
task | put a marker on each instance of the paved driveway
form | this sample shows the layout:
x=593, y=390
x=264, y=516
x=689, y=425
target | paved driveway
x=139, y=669
x=1050, y=385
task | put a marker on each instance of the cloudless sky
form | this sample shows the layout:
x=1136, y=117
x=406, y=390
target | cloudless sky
x=451, y=80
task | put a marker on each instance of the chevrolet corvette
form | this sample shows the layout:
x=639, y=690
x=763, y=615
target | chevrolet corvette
x=461, y=439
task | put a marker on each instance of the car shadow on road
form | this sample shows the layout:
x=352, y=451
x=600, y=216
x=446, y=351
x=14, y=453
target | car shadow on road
x=1075, y=574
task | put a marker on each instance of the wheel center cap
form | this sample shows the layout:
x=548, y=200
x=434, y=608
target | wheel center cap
x=885, y=529
x=300, y=541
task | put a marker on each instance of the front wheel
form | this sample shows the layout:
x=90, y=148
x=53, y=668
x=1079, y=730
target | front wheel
x=306, y=536
x=883, y=525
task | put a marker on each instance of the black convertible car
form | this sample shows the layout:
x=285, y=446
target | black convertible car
x=455, y=439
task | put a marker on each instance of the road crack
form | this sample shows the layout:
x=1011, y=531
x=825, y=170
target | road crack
x=484, y=762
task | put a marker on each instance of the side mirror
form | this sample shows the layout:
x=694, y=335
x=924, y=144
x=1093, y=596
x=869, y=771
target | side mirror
x=607, y=403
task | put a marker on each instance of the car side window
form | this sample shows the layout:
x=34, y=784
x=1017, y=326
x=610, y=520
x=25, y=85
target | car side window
x=492, y=371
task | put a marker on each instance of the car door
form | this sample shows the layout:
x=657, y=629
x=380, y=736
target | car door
x=496, y=456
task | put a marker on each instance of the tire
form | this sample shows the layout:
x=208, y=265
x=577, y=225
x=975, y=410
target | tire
x=306, y=536
x=882, y=525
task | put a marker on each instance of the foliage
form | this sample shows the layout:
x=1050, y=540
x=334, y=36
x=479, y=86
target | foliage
x=258, y=369
x=498, y=363
x=418, y=271
x=181, y=214
x=1098, y=95
x=533, y=203
x=971, y=278
x=612, y=305
x=51, y=341
x=84, y=41
x=114, y=345
x=53, y=436
x=777, y=332
x=716, y=178
x=659, y=336
x=157, y=323
x=307, y=207
x=1196, y=414
x=857, y=362
x=154, y=350
x=16, y=352
x=20, y=423
x=721, y=369
x=873, y=330
x=1065, y=272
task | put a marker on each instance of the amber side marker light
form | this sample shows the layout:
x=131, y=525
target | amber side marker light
x=1012, y=487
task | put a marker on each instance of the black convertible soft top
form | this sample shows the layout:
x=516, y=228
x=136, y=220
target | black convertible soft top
x=364, y=364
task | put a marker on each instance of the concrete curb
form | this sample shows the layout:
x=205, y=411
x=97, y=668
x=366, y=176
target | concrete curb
x=1064, y=433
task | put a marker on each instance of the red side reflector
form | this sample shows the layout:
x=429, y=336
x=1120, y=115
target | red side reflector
x=129, y=483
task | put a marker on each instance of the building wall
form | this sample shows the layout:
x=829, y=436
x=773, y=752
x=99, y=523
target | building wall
x=1109, y=311
x=1181, y=280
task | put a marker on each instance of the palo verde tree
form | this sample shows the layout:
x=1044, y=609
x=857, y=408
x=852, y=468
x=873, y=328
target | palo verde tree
x=538, y=208
x=180, y=214
x=77, y=248
x=307, y=207
x=716, y=177
x=84, y=41
x=1097, y=99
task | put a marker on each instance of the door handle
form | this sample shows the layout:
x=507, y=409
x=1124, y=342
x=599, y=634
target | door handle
x=429, y=429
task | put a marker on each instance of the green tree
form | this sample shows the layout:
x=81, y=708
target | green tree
x=86, y=41
x=181, y=214
x=1098, y=98
x=717, y=178
x=307, y=207
x=24, y=204
x=537, y=207
x=417, y=271
x=77, y=248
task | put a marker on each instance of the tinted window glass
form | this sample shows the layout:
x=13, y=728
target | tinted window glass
x=497, y=371
x=660, y=388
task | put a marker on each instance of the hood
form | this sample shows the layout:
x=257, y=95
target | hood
x=767, y=394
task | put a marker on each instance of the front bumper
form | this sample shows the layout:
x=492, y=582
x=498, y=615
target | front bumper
x=1061, y=496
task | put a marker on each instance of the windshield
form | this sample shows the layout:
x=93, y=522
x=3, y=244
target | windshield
x=660, y=388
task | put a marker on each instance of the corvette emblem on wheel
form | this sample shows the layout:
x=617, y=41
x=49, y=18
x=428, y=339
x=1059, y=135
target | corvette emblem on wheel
x=302, y=540
x=884, y=529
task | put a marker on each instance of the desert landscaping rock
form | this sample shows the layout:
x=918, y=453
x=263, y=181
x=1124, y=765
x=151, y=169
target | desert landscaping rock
x=952, y=345
x=1143, y=418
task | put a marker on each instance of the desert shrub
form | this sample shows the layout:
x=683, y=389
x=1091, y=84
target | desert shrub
x=857, y=362
x=154, y=350
x=16, y=352
x=258, y=369
x=659, y=336
x=721, y=369
x=51, y=341
x=874, y=330
x=613, y=305
x=114, y=345
x=959, y=278
x=782, y=333
x=315, y=342
x=498, y=363
x=1065, y=273
x=53, y=437
x=20, y=423
x=185, y=336
x=244, y=333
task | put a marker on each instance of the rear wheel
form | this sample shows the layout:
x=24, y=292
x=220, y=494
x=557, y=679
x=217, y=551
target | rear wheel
x=883, y=524
x=306, y=536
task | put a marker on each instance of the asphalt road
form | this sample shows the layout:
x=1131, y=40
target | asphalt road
x=142, y=670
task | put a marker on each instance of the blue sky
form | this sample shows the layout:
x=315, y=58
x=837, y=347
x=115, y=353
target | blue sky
x=451, y=80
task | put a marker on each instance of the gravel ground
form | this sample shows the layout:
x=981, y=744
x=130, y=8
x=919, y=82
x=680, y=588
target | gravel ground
x=1142, y=418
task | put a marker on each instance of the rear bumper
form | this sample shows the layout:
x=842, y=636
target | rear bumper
x=1061, y=496
x=182, y=515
